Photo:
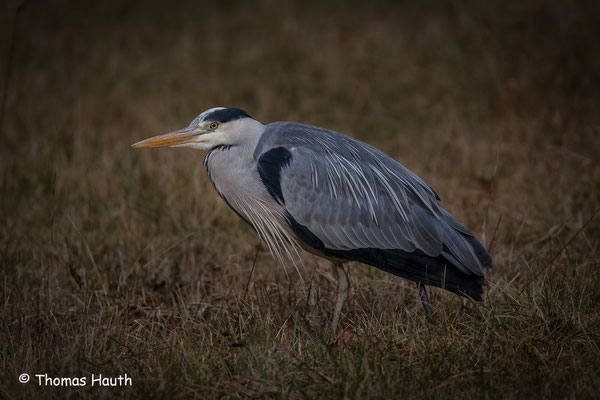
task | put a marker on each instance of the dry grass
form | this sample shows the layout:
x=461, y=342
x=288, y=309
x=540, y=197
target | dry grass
x=118, y=261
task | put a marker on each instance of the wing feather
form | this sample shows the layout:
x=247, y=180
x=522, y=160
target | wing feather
x=352, y=196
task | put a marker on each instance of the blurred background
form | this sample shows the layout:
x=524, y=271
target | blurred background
x=494, y=103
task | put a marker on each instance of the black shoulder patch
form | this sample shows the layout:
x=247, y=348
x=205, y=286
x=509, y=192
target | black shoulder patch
x=226, y=115
x=269, y=167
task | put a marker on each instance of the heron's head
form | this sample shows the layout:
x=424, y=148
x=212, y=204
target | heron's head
x=214, y=127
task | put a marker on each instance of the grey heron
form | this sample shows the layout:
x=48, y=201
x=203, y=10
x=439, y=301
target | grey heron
x=304, y=187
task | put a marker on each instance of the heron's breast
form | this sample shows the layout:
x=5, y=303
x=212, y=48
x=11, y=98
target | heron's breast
x=236, y=179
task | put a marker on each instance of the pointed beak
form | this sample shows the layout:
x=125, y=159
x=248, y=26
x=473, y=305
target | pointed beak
x=175, y=138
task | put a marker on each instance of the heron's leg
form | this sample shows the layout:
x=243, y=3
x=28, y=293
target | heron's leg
x=424, y=299
x=342, y=290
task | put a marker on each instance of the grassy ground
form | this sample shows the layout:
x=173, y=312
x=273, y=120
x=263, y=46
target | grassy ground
x=117, y=261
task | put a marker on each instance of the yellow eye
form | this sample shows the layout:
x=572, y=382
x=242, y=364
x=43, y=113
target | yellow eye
x=214, y=125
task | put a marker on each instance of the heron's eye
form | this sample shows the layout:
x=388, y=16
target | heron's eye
x=213, y=125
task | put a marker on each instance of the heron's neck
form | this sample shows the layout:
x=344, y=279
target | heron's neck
x=249, y=136
x=239, y=149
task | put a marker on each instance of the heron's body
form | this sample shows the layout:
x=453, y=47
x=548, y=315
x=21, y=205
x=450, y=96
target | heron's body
x=302, y=186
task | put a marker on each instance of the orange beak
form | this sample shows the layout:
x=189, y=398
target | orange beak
x=182, y=136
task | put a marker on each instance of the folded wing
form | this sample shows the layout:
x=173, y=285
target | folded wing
x=348, y=200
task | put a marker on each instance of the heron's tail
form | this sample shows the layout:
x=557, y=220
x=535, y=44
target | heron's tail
x=479, y=250
x=421, y=268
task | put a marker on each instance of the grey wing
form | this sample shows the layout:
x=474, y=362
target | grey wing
x=351, y=196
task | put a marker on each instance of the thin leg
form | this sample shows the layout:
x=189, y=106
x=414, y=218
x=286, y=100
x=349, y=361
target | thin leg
x=343, y=288
x=424, y=299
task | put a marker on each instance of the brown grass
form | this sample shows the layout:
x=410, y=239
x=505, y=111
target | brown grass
x=118, y=261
